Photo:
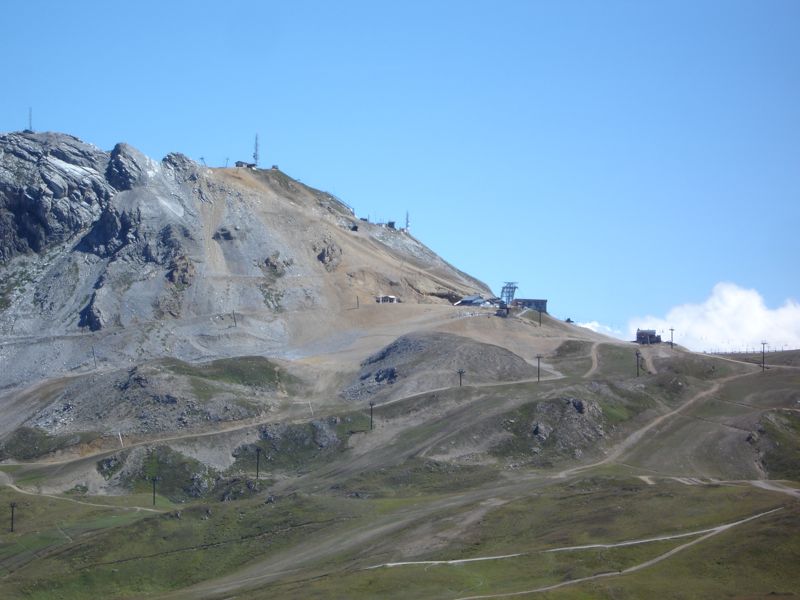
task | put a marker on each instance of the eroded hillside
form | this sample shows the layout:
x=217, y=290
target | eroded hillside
x=117, y=258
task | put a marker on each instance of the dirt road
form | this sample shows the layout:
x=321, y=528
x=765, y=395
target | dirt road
x=593, y=368
x=637, y=435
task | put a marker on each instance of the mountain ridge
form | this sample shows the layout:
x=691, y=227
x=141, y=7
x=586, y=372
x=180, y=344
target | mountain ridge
x=102, y=242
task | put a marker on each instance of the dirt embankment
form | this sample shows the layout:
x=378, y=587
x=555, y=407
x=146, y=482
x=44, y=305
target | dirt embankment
x=419, y=362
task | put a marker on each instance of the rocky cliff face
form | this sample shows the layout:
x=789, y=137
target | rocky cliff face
x=52, y=186
x=117, y=258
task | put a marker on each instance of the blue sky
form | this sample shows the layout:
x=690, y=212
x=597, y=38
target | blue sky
x=618, y=158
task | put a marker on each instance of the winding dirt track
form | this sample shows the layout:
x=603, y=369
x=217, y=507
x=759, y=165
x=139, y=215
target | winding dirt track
x=712, y=532
x=774, y=486
x=661, y=538
x=4, y=480
x=593, y=368
x=637, y=435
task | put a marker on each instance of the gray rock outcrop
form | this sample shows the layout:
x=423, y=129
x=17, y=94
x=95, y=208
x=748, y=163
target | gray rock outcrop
x=125, y=167
x=52, y=186
x=328, y=253
x=113, y=257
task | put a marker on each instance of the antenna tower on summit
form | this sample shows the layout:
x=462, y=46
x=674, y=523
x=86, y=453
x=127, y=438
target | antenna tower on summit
x=407, y=223
x=255, y=152
x=507, y=295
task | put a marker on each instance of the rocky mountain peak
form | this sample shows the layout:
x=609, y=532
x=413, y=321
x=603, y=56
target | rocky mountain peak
x=126, y=167
x=126, y=256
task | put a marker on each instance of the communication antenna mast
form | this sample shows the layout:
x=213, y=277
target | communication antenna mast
x=255, y=152
x=30, y=118
x=407, y=221
x=509, y=288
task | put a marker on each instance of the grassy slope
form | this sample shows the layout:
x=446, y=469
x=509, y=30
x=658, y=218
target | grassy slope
x=173, y=549
x=754, y=561
x=587, y=511
x=510, y=512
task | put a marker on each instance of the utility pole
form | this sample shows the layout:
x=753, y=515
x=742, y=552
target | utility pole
x=538, y=367
x=30, y=125
x=671, y=343
x=407, y=223
x=371, y=406
x=638, y=358
x=258, y=459
x=153, y=479
x=13, y=506
x=255, y=152
x=763, y=364
x=226, y=162
x=460, y=375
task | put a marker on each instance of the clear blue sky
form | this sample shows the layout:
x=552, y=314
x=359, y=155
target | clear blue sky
x=617, y=158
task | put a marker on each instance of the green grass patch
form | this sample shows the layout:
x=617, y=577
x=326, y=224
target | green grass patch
x=178, y=478
x=12, y=283
x=203, y=389
x=299, y=447
x=416, y=477
x=616, y=361
x=754, y=560
x=777, y=388
x=613, y=509
x=779, y=358
x=615, y=413
x=28, y=443
x=697, y=366
x=573, y=357
x=44, y=524
x=173, y=550
x=782, y=458
x=250, y=371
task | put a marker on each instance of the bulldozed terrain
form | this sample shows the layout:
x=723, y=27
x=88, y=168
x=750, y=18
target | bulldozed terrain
x=201, y=399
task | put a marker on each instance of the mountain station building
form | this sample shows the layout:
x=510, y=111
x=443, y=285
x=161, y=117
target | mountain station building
x=538, y=305
x=647, y=336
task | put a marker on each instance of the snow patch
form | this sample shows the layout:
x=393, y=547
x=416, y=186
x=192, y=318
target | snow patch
x=153, y=169
x=75, y=170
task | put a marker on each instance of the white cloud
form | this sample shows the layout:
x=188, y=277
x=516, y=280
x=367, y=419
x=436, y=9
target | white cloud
x=598, y=327
x=731, y=319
